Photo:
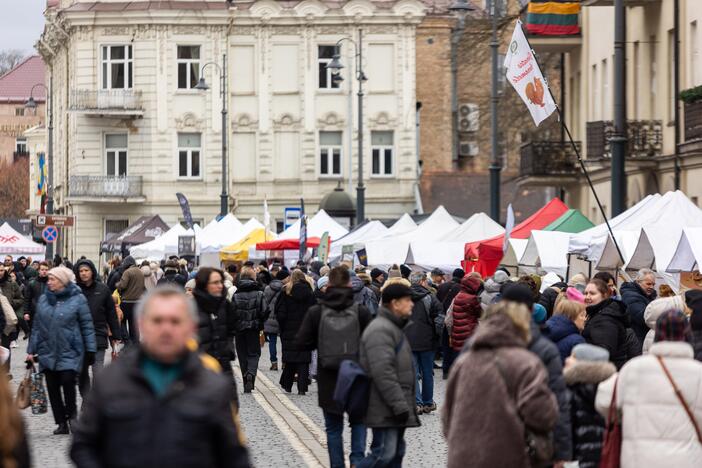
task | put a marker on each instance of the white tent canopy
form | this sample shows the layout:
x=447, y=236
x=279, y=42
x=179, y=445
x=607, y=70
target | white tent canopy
x=317, y=225
x=433, y=228
x=547, y=250
x=478, y=227
x=367, y=231
x=13, y=243
x=688, y=254
x=166, y=244
x=428, y=255
x=220, y=234
x=402, y=226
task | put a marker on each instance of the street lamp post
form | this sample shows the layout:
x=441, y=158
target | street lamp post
x=202, y=85
x=335, y=66
x=495, y=163
x=460, y=8
x=32, y=104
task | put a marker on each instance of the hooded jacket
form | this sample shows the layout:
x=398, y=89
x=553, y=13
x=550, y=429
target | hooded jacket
x=216, y=326
x=248, y=306
x=606, y=327
x=564, y=334
x=270, y=296
x=131, y=284
x=386, y=357
x=290, y=312
x=308, y=335
x=466, y=312
x=487, y=428
x=363, y=295
x=656, y=430
x=655, y=309
x=421, y=330
x=582, y=379
x=63, y=330
x=636, y=301
x=101, y=305
x=490, y=292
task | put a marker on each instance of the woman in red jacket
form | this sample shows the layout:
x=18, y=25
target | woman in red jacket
x=466, y=311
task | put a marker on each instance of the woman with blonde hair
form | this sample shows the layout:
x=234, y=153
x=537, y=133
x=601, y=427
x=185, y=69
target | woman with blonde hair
x=290, y=311
x=564, y=328
x=14, y=451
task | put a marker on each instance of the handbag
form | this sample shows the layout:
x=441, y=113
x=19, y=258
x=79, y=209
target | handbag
x=38, y=394
x=539, y=446
x=679, y=394
x=612, y=445
x=24, y=391
x=9, y=313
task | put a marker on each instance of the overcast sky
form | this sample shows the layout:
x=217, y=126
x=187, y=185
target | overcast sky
x=21, y=23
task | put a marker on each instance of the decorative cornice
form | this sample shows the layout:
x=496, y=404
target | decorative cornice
x=243, y=122
x=287, y=122
x=189, y=121
x=331, y=120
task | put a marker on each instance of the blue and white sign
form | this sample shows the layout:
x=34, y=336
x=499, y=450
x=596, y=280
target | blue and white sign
x=292, y=214
x=49, y=234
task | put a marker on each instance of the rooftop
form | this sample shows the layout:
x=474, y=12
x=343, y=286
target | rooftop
x=16, y=84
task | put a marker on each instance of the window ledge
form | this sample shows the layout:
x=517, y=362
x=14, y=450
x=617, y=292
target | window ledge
x=188, y=92
x=330, y=176
x=382, y=176
x=189, y=179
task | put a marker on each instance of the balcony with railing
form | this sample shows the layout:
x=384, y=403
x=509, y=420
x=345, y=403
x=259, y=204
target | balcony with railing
x=548, y=163
x=107, y=102
x=645, y=139
x=693, y=120
x=553, y=28
x=110, y=189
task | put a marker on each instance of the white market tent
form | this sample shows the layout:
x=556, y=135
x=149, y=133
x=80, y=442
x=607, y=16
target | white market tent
x=317, y=225
x=218, y=235
x=386, y=250
x=166, y=244
x=15, y=244
x=515, y=251
x=368, y=230
x=478, y=227
x=547, y=250
x=688, y=254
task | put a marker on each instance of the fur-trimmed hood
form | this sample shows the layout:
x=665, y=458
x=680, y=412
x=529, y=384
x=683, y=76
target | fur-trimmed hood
x=588, y=372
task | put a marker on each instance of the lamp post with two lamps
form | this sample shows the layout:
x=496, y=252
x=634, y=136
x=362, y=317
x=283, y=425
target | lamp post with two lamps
x=202, y=86
x=335, y=66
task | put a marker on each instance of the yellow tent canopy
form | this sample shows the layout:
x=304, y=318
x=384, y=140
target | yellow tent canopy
x=239, y=251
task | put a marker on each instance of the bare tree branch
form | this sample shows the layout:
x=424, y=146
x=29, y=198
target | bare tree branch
x=9, y=59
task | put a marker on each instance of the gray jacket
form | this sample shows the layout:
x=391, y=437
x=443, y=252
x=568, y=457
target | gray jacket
x=270, y=297
x=386, y=356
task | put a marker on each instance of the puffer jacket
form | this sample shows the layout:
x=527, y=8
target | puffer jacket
x=363, y=295
x=655, y=309
x=564, y=334
x=421, y=330
x=291, y=310
x=491, y=291
x=636, y=301
x=101, y=305
x=248, y=306
x=606, y=326
x=550, y=357
x=216, y=326
x=656, y=430
x=466, y=312
x=386, y=356
x=270, y=295
x=446, y=292
x=487, y=407
x=582, y=379
x=63, y=330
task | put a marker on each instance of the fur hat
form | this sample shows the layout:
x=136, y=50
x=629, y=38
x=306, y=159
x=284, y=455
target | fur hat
x=63, y=274
x=395, y=291
x=590, y=352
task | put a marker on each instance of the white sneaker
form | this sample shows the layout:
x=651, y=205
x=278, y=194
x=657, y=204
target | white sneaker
x=13, y=344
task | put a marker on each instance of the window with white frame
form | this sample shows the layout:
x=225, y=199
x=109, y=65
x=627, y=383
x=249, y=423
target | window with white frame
x=188, y=66
x=21, y=146
x=382, y=152
x=325, y=54
x=329, y=153
x=117, y=67
x=116, y=154
x=189, y=155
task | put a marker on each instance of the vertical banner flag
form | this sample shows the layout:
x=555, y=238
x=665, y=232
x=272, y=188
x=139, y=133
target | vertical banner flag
x=42, y=182
x=303, y=236
x=323, y=252
x=509, y=225
x=266, y=215
x=185, y=206
x=526, y=78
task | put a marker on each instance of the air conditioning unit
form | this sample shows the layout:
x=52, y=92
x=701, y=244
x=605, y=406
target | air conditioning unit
x=468, y=148
x=468, y=117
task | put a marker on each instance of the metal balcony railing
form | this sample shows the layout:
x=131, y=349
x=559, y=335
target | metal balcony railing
x=545, y=158
x=693, y=120
x=645, y=139
x=116, y=100
x=105, y=187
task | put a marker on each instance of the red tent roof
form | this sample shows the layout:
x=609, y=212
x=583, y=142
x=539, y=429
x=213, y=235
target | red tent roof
x=485, y=256
x=286, y=244
x=16, y=84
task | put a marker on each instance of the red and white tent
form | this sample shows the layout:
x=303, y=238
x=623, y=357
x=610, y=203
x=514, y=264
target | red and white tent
x=15, y=244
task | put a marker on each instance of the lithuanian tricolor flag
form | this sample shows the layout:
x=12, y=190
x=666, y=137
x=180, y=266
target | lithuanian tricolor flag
x=553, y=17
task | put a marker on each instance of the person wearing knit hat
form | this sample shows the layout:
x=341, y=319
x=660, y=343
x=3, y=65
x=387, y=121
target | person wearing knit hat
x=322, y=283
x=394, y=272
x=590, y=352
x=578, y=281
x=63, y=274
x=538, y=313
x=518, y=292
x=574, y=294
x=405, y=271
x=672, y=326
x=395, y=291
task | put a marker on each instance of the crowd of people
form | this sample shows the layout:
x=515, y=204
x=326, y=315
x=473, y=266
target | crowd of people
x=538, y=369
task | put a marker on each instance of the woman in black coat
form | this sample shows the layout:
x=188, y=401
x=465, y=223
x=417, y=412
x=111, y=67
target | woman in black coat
x=608, y=323
x=290, y=311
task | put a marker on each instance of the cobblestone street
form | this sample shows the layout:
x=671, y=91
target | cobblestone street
x=283, y=430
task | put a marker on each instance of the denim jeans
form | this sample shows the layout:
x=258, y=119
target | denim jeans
x=387, y=450
x=334, y=425
x=424, y=365
x=273, y=346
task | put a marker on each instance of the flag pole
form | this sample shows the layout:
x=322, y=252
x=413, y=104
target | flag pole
x=577, y=152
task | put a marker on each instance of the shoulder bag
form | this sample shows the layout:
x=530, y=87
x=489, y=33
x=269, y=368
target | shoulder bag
x=612, y=445
x=680, y=396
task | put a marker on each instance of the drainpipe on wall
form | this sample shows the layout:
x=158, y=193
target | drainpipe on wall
x=418, y=206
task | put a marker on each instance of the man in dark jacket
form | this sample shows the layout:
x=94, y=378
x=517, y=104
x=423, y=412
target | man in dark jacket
x=250, y=316
x=386, y=357
x=338, y=296
x=423, y=338
x=270, y=327
x=131, y=287
x=102, y=309
x=637, y=295
x=362, y=294
x=33, y=291
x=171, y=274
x=158, y=405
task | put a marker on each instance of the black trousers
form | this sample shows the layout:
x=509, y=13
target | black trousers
x=287, y=377
x=248, y=350
x=63, y=406
x=130, y=332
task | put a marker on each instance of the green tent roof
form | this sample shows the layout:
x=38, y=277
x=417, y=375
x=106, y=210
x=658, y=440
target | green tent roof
x=571, y=221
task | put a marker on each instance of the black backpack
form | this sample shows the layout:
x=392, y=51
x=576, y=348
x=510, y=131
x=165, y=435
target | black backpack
x=339, y=336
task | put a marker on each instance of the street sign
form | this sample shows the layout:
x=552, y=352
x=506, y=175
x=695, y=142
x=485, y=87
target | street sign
x=292, y=214
x=54, y=220
x=186, y=246
x=49, y=234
